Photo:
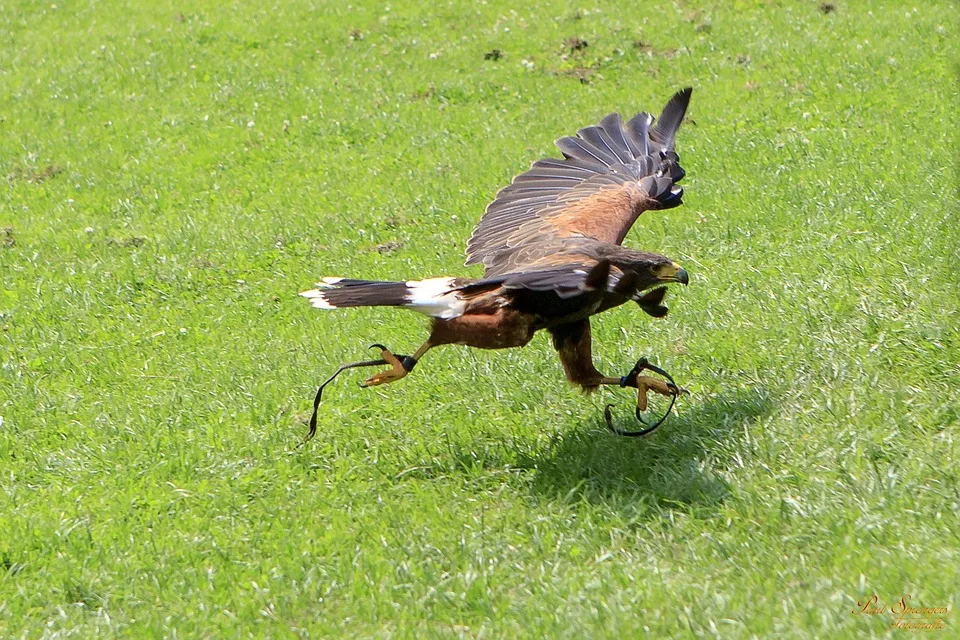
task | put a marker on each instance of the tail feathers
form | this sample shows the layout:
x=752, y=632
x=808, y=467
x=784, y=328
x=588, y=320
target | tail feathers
x=437, y=297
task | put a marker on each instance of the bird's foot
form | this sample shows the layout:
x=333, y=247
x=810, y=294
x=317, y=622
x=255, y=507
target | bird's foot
x=643, y=385
x=646, y=384
x=400, y=366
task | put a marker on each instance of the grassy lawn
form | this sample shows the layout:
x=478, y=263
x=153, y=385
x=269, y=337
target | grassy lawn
x=173, y=174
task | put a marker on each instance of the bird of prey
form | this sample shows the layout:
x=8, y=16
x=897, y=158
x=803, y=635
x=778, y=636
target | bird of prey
x=550, y=244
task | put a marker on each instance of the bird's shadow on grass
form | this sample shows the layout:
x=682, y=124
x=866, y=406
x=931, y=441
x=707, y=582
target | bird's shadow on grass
x=676, y=467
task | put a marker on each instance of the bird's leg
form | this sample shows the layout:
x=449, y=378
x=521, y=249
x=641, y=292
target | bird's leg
x=573, y=342
x=400, y=365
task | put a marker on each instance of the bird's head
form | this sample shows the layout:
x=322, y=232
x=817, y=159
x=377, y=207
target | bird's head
x=669, y=271
x=646, y=288
x=653, y=269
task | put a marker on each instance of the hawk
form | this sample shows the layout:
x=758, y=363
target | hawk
x=550, y=244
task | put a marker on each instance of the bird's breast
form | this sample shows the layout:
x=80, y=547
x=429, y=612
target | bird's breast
x=501, y=329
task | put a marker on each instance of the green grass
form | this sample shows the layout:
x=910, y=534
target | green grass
x=176, y=173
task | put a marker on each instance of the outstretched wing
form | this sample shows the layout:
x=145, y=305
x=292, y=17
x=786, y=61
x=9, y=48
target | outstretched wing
x=609, y=174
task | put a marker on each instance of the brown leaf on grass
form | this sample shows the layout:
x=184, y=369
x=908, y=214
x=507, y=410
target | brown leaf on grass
x=35, y=175
x=576, y=44
x=130, y=241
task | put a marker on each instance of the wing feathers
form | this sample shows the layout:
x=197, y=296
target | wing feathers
x=612, y=126
x=666, y=128
x=566, y=282
x=566, y=163
x=522, y=197
x=576, y=148
x=638, y=133
x=609, y=174
x=540, y=183
x=602, y=142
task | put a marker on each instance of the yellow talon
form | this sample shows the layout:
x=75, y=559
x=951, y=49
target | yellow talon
x=394, y=373
x=648, y=383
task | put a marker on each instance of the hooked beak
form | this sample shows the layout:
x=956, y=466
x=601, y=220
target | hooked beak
x=673, y=273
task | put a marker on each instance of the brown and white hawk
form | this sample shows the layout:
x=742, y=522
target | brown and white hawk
x=551, y=247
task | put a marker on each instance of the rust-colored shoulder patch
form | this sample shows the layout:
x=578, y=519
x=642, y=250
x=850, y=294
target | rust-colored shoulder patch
x=606, y=214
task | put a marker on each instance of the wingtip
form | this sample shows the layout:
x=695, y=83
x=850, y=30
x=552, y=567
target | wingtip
x=665, y=129
x=678, y=102
x=681, y=97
